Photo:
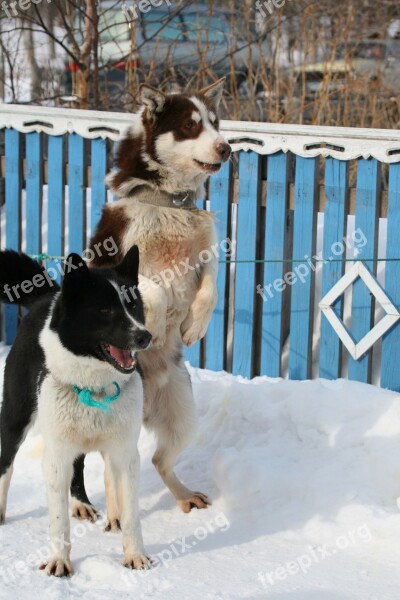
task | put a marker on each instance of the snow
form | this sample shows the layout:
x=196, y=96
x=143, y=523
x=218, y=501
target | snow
x=303, y=476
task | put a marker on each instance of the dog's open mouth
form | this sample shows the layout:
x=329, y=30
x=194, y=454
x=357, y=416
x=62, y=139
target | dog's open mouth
x=209, y=167
x=119, y=358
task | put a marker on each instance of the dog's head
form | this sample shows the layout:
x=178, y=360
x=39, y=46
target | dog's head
x=100, y=312
x=182, y=129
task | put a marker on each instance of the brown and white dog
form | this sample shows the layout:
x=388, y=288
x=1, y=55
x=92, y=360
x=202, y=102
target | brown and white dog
x=162, y=164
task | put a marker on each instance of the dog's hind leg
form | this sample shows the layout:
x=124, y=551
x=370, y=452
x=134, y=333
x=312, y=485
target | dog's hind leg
x=10, y=442
x=5, y=478
x=11, y=436
x=170, y=413
x=82, y=508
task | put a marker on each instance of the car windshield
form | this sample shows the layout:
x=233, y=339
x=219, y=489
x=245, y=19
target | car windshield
x=191, y=27
x=162, y=26
x=113, y=26
x=206, y=28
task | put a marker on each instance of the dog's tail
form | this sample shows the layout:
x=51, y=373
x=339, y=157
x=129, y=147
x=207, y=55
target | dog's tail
x=22, y=279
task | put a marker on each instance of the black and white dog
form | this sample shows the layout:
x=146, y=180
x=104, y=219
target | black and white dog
x=73, y=366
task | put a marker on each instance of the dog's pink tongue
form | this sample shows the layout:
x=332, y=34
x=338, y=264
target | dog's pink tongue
x=123, y=357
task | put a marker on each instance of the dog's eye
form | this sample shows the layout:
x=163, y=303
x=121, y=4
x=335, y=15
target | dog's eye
x=106, y=311
x=190, y=124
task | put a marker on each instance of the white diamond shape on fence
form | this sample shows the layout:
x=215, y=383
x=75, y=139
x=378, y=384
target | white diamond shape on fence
x=392, y=314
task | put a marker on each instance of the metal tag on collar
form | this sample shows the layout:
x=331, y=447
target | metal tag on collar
x=179, y=201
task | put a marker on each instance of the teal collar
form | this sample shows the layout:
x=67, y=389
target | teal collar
x=85, y=395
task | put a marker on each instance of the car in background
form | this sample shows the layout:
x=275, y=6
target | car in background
x=362, y=63
x=314, y=80
x=168, y=47
x=375, y=60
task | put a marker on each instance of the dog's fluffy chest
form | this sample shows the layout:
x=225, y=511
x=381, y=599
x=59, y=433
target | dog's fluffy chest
x=173, y=243
x=84, y=427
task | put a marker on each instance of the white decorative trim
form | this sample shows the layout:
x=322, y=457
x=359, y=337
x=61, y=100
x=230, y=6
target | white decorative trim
x=357, y=351
x=346, y=143
x=57, y=121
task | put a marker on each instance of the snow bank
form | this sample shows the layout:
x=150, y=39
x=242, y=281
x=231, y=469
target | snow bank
x=303, y=476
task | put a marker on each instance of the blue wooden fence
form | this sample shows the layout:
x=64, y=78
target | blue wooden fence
x=266, y=208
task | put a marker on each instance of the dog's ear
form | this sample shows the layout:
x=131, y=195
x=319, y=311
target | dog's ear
x=129, y=267
x=153, y=99
x=76, y=275
x=75, y=267
x=214, y=92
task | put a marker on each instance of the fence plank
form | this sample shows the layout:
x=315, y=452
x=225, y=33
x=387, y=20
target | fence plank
x=335, y=219
x=56, y=203
x=304, y=238
x=99, y=171
x=216, y=338
x=13, y=214
x=275, y=234
x=367, y=214
x=34, y=192
x=249, y=181
x=76, y=194
x=391, y=340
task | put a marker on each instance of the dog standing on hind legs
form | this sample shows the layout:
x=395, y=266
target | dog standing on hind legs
x=162, y=164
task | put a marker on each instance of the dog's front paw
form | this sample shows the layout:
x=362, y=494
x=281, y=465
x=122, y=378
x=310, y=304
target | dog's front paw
x=83, y=511
x=137, y=561
x=59, y=567
x=195, y=500
x=195, y=325
x=193, y=330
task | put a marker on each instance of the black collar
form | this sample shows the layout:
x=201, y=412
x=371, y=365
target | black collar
x=148, y=195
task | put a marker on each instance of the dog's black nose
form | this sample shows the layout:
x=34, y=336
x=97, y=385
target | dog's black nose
x=224, y=150
x=142, y=338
